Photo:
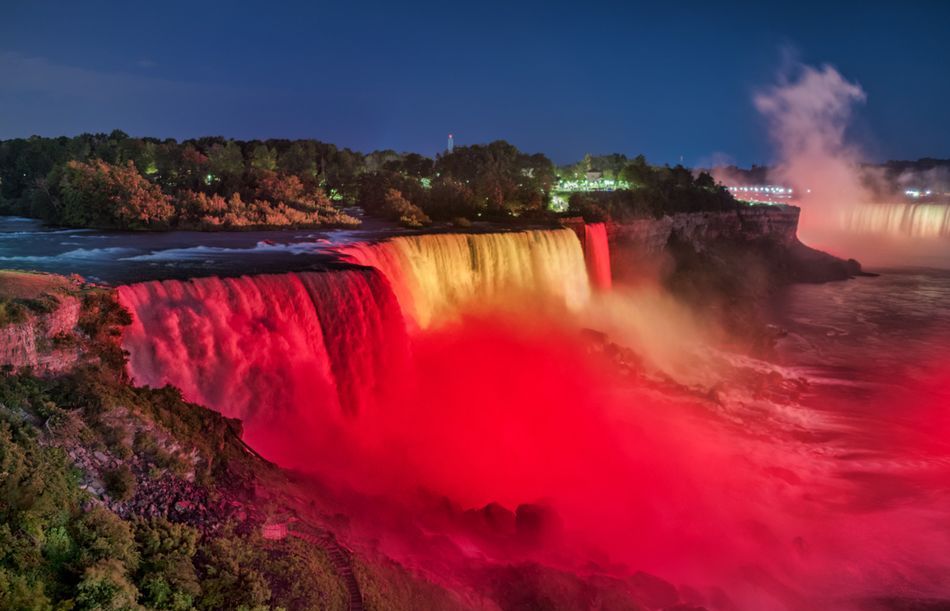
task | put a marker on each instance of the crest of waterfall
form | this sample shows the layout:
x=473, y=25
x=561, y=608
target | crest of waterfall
x=914, y=220
x=435, y=275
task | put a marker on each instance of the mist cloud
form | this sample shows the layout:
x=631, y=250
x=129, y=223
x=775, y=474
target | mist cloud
x=808, y=111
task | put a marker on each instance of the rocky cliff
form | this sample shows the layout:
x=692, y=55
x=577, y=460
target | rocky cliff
x=38, y=316
x=651, y=236
x=766, y=236
x=49, y=323
x=42, y=341
x=726, y=265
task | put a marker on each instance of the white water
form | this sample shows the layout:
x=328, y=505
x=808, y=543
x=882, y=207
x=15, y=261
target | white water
x=434, y=276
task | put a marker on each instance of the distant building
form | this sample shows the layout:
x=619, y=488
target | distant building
x=451, y=145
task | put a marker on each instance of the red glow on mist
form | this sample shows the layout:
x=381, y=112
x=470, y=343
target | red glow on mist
x=516, y=409
x=514, y=412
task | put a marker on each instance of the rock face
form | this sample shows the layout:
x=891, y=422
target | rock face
x=650, y=236
x=45, y=342
x=644, y=247
x=641, y=247
x=726, y=264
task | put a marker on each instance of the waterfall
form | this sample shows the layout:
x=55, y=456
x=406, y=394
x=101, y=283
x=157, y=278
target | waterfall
x=435, y=275
x=257, y=348
x=297, y=356
x=914, y=220
x=597, y=254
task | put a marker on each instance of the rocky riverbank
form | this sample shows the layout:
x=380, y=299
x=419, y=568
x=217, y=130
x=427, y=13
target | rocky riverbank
x=726, y=264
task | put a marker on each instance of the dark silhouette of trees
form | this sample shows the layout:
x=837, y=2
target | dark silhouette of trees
x=653, y=192
x=117, y=181
x=504, y=180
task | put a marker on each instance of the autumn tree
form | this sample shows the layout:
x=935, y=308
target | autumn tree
x=401, y=209
x=99, y=194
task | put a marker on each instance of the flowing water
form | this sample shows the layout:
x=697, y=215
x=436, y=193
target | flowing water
x=880, y=234
x=435, y=276
x=292, y=352
x=819, y=478
x=597, y=253
x=916, y=220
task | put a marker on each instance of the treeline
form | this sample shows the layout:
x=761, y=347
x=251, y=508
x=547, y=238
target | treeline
x=116, y=181
x=494, y=181
x=497, y=181
x=654, y=191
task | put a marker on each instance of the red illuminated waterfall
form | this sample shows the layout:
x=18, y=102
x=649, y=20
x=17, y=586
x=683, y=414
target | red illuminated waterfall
x=512, y=405
x=300, y=349
x=597, y=253
x=303, y=350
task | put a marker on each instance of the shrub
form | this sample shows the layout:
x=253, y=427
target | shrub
x=120, y=483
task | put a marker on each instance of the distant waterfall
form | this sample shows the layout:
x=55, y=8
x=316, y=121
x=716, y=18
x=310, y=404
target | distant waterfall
x=434, y=275
x=914, y=220
x=597, y=253
x=255, y=347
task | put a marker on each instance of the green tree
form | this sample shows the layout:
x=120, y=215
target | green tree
x=299, y=160
x=450, y=198
x=503, y=178
x=638, y=172
x=167, y=575
x=264, y=158
x=101, y=535
x=230, y=579
x=226, y=166
x=105, y=586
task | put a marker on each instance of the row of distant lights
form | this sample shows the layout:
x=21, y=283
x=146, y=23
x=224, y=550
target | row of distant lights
x=765, y=189
x=918, y=193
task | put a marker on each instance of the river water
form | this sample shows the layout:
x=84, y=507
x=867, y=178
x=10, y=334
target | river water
x=116, y=257
x=876, y=417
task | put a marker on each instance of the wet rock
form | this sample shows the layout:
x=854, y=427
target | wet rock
x=499, y=518
x=493, y=519
x=535, y=522
x=692, y=596
x=653, y=591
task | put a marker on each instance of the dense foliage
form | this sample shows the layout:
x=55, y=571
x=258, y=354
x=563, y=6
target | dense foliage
x=494, y=181
x=654, y=191
x=115, y=181
x=62, y=548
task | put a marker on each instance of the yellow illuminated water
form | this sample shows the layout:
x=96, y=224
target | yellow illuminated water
x=433, y=276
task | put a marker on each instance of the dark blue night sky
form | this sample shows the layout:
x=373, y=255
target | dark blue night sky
x=665, y=79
